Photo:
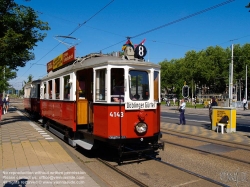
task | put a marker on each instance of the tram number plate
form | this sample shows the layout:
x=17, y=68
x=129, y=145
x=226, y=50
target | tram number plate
x=116, y=114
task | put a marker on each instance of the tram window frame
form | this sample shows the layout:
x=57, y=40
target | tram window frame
x=141, y=91
x=57, y=88
x=156, y=86
x=43, y=90
x=100, y=86
x=66, y=87
x=50, y=89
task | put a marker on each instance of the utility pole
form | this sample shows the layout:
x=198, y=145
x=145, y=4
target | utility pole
x=231, y=77
x=246, y=84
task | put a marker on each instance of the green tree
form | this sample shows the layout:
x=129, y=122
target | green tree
x=6, y=75
x=20, y=31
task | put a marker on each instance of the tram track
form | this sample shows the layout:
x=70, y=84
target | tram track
x=206, y=140
x=136, y=181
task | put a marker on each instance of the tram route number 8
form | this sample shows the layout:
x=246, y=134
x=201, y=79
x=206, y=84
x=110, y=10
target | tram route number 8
x=116, y=114
x=140, y=51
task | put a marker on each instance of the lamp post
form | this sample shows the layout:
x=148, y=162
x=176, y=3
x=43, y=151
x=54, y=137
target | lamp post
x=246, y=84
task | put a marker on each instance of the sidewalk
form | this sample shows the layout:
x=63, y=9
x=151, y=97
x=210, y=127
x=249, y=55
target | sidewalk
x=30, y=155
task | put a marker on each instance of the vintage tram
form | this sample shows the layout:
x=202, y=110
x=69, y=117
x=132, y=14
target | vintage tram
x=100, y=98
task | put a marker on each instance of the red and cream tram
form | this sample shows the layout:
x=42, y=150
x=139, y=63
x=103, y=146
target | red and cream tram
x=95, y=98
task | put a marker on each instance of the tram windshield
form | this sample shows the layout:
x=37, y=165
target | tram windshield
x=138, y=85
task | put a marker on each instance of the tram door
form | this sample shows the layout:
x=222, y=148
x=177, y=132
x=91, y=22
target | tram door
x=84, y=97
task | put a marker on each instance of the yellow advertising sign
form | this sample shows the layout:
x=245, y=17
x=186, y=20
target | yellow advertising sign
x=224, y=115
x=58, y=61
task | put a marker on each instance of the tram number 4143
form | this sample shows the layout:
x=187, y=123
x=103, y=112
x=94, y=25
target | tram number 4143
x=116, y=114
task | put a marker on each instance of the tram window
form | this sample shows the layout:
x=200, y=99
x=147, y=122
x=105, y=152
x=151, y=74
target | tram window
x=138, y=85
x=50, y=89
x=57, y=88
x=81, y=87
x=66, y=87
x=100, y=84
x=117, y=84
x=156, y=86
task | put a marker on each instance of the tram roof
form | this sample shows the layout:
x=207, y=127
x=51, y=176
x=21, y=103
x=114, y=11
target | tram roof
x=97, y=60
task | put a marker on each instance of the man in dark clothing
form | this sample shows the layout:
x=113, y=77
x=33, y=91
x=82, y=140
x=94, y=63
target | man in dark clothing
x=213, y=103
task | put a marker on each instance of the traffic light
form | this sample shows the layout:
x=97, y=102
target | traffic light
x=185, y=91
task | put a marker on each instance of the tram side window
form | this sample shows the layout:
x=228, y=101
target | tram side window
x=156, y=86
x=57, y=88
x=139, y=85
x=66, y=87
x=100, y=84
x=50, y=89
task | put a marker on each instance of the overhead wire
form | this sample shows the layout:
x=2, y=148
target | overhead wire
x=143, y=33
x=175, y=21
x=79, y=26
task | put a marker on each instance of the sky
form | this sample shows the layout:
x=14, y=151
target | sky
x=171, y=28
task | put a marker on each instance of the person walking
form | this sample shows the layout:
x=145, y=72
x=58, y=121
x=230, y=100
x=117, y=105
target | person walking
x=213, y=103
x=1, y=107
x=244, y=101
x=182, y=112
x=6, y=103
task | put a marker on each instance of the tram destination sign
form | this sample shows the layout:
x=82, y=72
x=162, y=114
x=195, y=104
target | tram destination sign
x=140, y=105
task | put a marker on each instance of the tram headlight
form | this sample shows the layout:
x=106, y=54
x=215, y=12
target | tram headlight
x=141, y=127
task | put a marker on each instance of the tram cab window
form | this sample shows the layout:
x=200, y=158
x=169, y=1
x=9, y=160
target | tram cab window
x=67, y=87
x=101, y=85
x=156, y=86
x=57, y=88
x=117, y=85
x=138, y=85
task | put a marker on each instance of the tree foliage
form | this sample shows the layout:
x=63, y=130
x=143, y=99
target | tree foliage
x=206, y=68
x=6, y=75
x=20, y=30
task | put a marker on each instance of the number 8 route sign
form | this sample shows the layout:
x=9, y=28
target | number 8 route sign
x=140, y=51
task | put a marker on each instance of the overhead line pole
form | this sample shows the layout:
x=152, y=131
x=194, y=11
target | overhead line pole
x=231, y=78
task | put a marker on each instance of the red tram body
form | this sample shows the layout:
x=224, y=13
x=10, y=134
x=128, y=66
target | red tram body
x=77, y=100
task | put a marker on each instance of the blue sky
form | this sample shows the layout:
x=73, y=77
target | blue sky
x=222, y=26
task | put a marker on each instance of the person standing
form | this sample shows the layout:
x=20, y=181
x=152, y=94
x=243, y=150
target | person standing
x=244, y=101
x=213, y=103
x=182, y=112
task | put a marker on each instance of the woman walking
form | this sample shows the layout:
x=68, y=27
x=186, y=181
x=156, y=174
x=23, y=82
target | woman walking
x=1, y=107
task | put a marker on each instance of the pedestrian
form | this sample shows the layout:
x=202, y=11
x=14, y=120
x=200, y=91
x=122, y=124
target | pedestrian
x=1, y=106
x=244, y=101
x=6, y=103
x=213, y=103
x=174, y=101
x=182, y=112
